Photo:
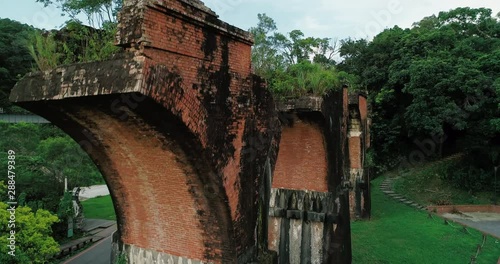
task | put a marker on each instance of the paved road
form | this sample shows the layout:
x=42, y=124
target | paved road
x=99, y=253
x=93, y=191
x=489, y=227
x=486, y=222
x=17, y=118
x=94, y=224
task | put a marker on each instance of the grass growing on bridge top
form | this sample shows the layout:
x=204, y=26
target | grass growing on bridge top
x=400, y=234
x=99, y=208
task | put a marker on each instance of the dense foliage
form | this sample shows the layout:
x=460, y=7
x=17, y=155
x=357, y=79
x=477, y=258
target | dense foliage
x=24, y=48
x=292, y=64
x=15, y=60
x=32, y=237
x=45, y=156
x=77, y=41
x=98, y=12
x=438, y=79
x=34, y=243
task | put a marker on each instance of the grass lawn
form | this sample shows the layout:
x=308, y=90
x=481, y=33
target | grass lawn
x=395, y=234
x=99, y=208
x=425, y=185
x=400, y=234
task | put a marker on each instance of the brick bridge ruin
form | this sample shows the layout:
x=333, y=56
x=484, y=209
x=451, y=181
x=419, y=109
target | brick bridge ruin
x=202, y=164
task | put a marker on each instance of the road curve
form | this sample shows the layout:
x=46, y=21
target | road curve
x=99, y=253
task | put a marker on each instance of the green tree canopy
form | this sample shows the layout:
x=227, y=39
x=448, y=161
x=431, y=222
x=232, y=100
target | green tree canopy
x=45, y=156
x=34, y=243
x=97, y=11
x=439, y=77
x=293, y=64
x=15, y=60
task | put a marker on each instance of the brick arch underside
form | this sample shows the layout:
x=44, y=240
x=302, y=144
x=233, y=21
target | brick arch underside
x=167, y=199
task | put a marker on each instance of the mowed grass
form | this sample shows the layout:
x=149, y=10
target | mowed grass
x=99, y=208
x=400, y=234
x=395, y=234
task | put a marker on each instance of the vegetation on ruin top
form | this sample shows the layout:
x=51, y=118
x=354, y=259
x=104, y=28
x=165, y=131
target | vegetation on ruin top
x=295, y=65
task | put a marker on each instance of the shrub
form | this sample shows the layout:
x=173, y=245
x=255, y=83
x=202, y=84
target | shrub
x=43, y=49
x=306, y=78
x=475, y=171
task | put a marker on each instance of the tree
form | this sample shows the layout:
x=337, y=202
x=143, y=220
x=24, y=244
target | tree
x=33, y=240
x=266, y=59
x=294, y=65
x=46, y=156
x=77, y=42
x=308, y=78
x=97, y=11
x=65, y=159
x=44, y=50
x=439, y=77
x=15, y=60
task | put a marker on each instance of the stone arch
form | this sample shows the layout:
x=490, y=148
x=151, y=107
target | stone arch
x=170, y=203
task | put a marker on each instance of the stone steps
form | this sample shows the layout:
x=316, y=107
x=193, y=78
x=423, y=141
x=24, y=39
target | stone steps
x=386, y=188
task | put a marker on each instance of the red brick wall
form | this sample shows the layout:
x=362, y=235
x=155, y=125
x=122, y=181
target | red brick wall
x=301, y=163
x=153, y=184
x=199, y=68
x=363, y=110
x=355, y=152
x=178, y=46
x=185, y=37
x=182, y=45
x=442, y=209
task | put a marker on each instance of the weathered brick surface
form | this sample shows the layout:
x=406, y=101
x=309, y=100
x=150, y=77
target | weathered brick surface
x=363, y=111
x=302, y=163
x=123, y=74
x=187, y=138
x=363, y=107
x=199, y=68
x=335, y=107
x=355, y=152
x=312, y=157
x=161, y=213
x=359, y=197
x=191, y=194
x=165, y=195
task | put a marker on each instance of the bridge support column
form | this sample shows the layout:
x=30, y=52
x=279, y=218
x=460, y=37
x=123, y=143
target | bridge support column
x=171, y=122
x=358, y=135
x=309, y=209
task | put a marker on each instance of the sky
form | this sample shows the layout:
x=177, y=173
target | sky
x=316, y=18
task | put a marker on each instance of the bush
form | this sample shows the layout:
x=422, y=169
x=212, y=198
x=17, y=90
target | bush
x=306, y=78
x=475, y=171
x=34, y=243
x=74, y=43
x=43, y=49
x=81, y=43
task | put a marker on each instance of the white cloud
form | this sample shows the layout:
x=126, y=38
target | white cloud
x=311, y=23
